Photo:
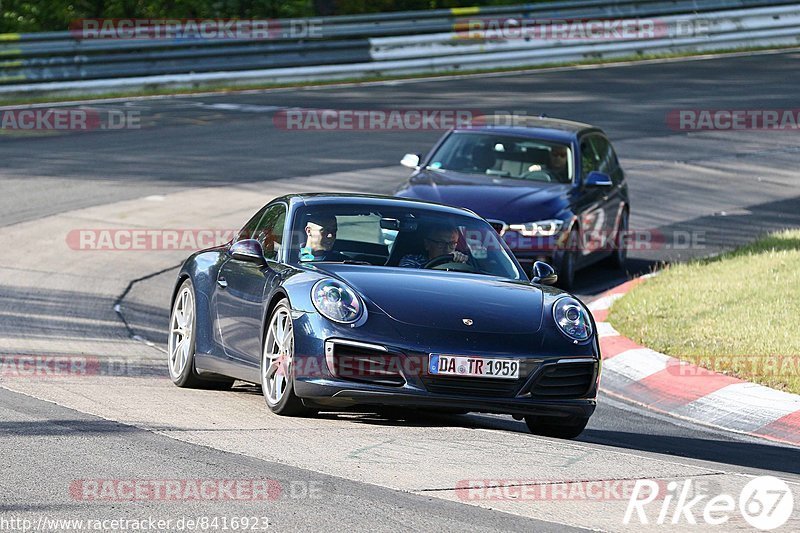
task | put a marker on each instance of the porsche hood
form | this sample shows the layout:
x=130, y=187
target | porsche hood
x=446, y=300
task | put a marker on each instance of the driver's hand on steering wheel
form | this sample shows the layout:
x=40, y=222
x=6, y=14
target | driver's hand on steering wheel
x=460, y=257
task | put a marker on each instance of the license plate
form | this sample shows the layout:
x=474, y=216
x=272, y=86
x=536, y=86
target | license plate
x=476, y=367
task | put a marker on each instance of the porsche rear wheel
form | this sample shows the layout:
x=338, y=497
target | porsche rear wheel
x=568, y=429
x=181, y=343
x=277, y=364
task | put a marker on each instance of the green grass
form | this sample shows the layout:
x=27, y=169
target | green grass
x=745, y=304
x=233, y=88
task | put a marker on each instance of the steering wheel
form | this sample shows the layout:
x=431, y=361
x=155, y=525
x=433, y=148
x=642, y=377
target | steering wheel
x=538, y=175
x=448, y=258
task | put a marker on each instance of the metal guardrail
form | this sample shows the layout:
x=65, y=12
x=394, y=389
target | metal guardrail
x=706, y=28
x=352, y=46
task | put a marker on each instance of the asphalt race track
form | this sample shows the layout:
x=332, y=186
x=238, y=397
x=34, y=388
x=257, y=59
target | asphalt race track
x=209, y=161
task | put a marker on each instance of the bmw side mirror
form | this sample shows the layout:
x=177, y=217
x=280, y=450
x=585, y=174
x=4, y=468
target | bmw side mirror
x=248, y=250
x=598, y=179
x=411, y=161
x=543, y=274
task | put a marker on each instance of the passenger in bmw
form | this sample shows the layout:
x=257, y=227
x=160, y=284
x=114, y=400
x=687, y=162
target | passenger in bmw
x=439, y=240
x=320, y=236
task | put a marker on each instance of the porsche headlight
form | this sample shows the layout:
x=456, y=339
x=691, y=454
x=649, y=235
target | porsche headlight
x=572, y=319
x=540, y=228
x=336, y=301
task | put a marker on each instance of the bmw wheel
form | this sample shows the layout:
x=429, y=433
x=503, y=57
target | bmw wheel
x=566, y=272
x=620, y=251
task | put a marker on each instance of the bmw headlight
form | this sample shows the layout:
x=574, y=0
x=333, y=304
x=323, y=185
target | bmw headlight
x=336, y=301
x=540, y=228
x=572, y=319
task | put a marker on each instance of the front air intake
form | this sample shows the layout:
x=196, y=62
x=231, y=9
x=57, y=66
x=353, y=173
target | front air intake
x=564, y=381
x=363, y=363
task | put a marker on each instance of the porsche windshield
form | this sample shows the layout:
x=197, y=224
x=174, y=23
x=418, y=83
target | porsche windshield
x=406, y=238
x=504, y=156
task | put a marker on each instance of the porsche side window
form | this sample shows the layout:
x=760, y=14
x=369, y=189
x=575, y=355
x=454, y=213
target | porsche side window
x=249, y=229
x=270, y=231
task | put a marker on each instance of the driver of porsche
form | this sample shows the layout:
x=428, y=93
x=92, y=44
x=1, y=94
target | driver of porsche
x=320, y=233
x=439, y=240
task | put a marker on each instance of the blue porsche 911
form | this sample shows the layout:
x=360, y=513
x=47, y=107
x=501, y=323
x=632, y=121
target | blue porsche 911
x=330, y=301
x=553, y=189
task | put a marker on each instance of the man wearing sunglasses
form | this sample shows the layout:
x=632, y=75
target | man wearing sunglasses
x=320, y=233
x=438, y=241
x=558, y=162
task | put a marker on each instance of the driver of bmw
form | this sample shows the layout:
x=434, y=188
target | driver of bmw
x=439, y=240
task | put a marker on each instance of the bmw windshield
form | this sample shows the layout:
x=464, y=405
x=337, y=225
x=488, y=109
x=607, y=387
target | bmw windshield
x=505, y=157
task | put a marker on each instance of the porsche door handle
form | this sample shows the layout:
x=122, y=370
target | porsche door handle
x=222, y=282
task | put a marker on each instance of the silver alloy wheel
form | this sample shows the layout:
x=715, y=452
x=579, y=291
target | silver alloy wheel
x=276, y=363
x=180, y=332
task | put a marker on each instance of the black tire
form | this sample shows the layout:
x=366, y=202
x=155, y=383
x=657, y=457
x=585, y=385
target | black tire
x=619, y=253
x=185, y=375
x=289, y=404
x=568, y=429
x=566, y=269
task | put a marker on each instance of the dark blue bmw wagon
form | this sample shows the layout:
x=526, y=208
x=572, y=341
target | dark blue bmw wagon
x=553, y=189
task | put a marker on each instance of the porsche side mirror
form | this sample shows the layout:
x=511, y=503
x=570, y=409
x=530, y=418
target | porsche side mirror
x=598, y=179
x=248, y=250
x=411, y=161
x=543, y=274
